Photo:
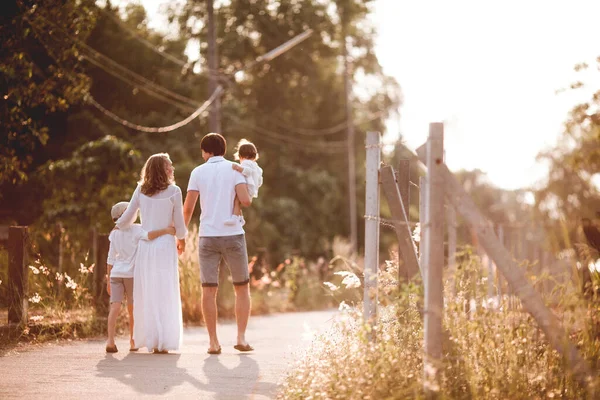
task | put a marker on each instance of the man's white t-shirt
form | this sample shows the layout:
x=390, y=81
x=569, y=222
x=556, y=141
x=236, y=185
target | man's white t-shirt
x=123, y=246
x=216, y=180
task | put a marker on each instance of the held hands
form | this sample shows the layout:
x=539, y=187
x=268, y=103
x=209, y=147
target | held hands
x=180, y=246
x=171, y=230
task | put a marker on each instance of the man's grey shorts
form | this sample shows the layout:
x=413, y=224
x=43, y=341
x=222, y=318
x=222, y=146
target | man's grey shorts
x=119, y=288
x=232, y=249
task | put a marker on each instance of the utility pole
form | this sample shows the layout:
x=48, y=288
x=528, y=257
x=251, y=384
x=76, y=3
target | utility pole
x=350, y=134
x=214, y=120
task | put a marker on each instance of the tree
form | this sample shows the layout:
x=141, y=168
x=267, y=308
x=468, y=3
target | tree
x=36, y=81
x=569, y=193
x=287, y=105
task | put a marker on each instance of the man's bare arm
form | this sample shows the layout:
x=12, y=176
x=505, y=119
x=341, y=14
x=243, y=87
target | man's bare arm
x=189, y=205
x=241, y=191
x=160, y=232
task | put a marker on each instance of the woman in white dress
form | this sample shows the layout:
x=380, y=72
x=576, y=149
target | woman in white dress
x=157, y=302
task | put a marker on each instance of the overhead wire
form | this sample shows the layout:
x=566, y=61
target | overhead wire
x=144, y=41
x=88, y=97
x=157, y=91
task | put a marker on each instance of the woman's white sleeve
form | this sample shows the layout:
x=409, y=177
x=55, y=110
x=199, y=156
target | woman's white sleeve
x=180, y=228
x=130, y=215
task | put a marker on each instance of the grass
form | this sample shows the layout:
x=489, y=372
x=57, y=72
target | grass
x=492, y=350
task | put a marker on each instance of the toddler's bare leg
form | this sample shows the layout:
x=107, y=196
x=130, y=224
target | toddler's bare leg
x=237, y=208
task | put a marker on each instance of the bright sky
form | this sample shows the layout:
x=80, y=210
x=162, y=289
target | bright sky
x=489, y=70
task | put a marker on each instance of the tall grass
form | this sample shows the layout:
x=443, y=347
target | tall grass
x=492, y=351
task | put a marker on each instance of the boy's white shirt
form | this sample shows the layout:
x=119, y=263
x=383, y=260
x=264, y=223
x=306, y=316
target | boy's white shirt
x=254, y=176
x=122, y=250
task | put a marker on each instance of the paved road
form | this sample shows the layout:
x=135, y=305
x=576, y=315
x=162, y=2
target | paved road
x=81, y=370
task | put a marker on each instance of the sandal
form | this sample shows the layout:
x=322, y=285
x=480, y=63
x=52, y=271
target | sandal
x=112, y=349
x=217, y=351
x=243, y=347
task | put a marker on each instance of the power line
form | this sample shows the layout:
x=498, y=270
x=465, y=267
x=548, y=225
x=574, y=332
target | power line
x=163, y=129
x=93, y=102
x=145, y=42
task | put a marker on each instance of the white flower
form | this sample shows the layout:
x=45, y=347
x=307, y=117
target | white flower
x=83, y=269
x=70, y=283
x=44, y=270
x=34, y=270
x=331, y=286
x=36, y=318
x=35, y=299
x=350, y=279
x=59, y=277
x=417, y=233
x=344, y=307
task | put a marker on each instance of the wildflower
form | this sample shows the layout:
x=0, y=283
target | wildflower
x=344, y=307
x=350, y=279
x=37, y=318
x=34, y=270
x=70, y=282
x=266, y=279
x=44, y=270
x=35, y=299
x=82, y=269
x=417, y=233
x=59, y=277
x=91, y=268
x=331, y=286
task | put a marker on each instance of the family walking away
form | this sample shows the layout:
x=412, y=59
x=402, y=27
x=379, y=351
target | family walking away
x=143, y=258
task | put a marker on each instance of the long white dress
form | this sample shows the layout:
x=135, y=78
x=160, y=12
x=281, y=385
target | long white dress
x=157, y=315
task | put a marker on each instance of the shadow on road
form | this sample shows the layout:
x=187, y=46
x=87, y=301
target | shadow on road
x=146, y=373
x=241, y=381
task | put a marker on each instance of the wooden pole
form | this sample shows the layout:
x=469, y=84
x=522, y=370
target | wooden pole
x=532, y=301
x=61, y=251
x=214, y=116
x=451, y=227
x=17, y=274
x=372, y=226
x=350, y=138
x=410, y=266
x=434, y=291
x=423, y=224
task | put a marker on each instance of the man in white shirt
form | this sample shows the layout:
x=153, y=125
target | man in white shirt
x=216, y=184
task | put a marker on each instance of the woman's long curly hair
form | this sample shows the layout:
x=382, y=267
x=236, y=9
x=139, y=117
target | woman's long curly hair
x=156, y=176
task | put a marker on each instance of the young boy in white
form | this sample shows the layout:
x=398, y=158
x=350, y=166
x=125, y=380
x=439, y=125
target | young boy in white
x=120, y=264
x=247, y=155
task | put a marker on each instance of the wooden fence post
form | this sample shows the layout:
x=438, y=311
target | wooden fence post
x=451, y=224
x=61, y=251
x=17, y=274
x=100, y=295
x=531, y=299
x=423, y=225
x=403, y=179
x=434, y=290
x=373, y=148
x=410, y=267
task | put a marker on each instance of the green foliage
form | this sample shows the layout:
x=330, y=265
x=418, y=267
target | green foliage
x=33, y=86
x=86, y=185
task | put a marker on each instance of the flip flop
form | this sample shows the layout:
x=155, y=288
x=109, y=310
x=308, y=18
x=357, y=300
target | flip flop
x=218, y=351
x=134, y=349
x=112, y=349
x=243, y=347
x=157, y=351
